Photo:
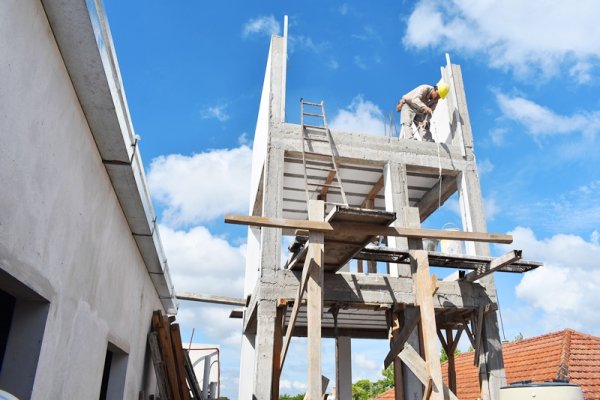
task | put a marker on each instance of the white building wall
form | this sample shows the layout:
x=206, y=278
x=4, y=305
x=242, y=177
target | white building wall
x=62, y=230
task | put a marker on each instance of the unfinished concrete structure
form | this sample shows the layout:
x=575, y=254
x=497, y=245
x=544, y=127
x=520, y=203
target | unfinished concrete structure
x=81, y=262
x=385, y=180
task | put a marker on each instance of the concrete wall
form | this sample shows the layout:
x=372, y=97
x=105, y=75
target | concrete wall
x=63, y=233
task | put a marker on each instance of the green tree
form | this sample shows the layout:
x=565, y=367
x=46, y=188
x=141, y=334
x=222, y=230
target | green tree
x=444, y=356
x=365, y=389
x=518, y=338
x=288, y=397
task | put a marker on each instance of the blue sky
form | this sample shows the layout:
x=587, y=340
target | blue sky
x=193, y=75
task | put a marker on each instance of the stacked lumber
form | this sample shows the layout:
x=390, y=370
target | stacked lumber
x=174, y=375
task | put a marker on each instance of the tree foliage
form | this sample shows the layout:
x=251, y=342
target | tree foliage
x=364, y=389
x=288, y=397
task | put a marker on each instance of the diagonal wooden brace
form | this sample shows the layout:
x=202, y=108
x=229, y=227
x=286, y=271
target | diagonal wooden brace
x=403, y=336
x=308, y=262
x=494, y=265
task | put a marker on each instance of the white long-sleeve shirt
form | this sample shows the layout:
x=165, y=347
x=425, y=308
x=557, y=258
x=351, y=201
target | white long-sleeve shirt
x=418, y=98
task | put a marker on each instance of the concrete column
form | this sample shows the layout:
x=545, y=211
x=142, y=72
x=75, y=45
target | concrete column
x=343, y=385
x=265, y=338
x=473, y=218
x=314, y=303
x=270, y=245
x=396, y=199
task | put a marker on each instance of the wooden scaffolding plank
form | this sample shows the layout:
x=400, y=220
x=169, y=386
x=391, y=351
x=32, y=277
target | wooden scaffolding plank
x=177, y=347
x=160, y=324
x=160, y=370
x=367, y=229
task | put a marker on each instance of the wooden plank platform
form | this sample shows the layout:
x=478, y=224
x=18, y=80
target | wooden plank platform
x=445, y=260
x=341, y=245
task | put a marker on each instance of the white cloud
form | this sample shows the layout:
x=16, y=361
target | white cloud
x=201, y=187
x=485, y=166
x=359, y=62
x=565, y=289
x=219, y=112
x=491, y=208
x=262, y=26
x=541, y=121
x=577, y=210
x=368, y=33
x=361, y=116
x=497, y=135
x=296, y=42
x=332, y=63
x=581, y=72
x=343, y=9
x=526, y=37
x=201, y=262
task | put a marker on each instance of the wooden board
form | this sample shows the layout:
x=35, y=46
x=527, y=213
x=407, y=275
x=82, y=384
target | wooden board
x=341, y=245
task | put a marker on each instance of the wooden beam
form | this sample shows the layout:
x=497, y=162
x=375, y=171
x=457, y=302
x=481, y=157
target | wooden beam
x=417, y=365
x=494, y=265
x=478, y=335
x=367, y=229
x=208, y=298
x=394, y=332
x=308, y=263
x=373, y=192
x=277, y=344
x=328, y=181
x=400, y=340
x=436, y=196
x=420, y=264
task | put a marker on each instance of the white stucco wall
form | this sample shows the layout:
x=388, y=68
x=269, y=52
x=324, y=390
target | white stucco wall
x=62, y=230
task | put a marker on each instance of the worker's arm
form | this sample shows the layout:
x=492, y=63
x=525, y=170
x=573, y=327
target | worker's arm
x=414, y=98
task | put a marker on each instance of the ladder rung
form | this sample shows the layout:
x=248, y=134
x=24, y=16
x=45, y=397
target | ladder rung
x=311, y=104
x=333, y=203
x=329, y=185
x=316, y=139
x=320, y=169
x=322, y=155
x=315, y=127
x=313, y=115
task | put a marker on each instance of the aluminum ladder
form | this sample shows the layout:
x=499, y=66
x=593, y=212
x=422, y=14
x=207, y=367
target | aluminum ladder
x=318, y=163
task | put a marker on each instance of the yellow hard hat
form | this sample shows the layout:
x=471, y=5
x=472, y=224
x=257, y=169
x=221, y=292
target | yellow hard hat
x=443, y=89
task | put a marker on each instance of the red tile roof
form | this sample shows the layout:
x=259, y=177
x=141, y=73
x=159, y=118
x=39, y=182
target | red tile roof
x=565, y=354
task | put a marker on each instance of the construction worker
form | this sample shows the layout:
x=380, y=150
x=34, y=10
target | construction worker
x=417, y=107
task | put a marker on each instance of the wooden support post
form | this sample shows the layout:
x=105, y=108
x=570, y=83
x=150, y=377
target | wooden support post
x=184, y=391
x=160, y=324
x=398, y=344
x=394, y=328
x=423, y=290
x=162, y=381
x=277, y=347
x=306, y=270
x=316, y=212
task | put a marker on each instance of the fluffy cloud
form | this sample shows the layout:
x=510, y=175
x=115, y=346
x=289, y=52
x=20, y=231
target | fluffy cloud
x=541, y=121
x=565, y=289
x=361, y=116
x=527, y=37
x=297, y=42
x=219, y=112
x=262, y=26
x=576, y=210
x=201, y=262
x=202, y=186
